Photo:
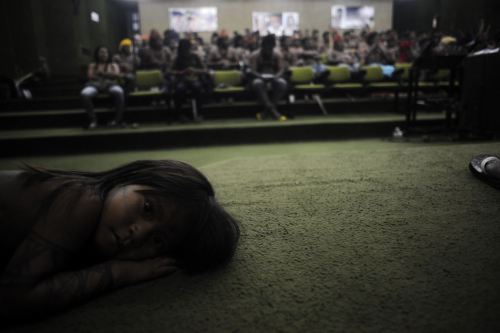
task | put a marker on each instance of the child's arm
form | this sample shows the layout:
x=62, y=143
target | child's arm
x=21, y=298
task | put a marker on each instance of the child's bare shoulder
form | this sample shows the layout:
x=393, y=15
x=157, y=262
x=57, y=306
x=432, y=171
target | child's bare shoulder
x=71, y=217
x=64, y=214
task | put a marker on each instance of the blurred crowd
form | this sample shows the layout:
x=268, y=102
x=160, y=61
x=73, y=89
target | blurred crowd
x=351, y=47
x=187, y=60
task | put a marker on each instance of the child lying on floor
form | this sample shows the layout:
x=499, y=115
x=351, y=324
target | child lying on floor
x=67, y=236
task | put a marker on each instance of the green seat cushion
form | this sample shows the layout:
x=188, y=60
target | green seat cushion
x=347, y=86
x=373, y=73
x=229, y=90
x=301, y=75
x=146, y=93
x=427, y=84
x=145, y=79
x=385, y=85
x=308, y=86
x=230, y=78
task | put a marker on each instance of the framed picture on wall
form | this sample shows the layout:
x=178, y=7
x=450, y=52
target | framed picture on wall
x=193, y=19
x=352, y=17
x=277, y=23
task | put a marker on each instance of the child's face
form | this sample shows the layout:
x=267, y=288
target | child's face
x=136, y=225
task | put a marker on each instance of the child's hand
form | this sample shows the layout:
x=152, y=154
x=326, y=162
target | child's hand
x=131, y=272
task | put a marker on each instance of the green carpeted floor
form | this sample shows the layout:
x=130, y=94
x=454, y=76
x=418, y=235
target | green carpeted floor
x=354, y=236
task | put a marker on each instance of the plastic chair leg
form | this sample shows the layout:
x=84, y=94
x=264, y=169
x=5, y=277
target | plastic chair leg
x=319, y=101
x=194, y=108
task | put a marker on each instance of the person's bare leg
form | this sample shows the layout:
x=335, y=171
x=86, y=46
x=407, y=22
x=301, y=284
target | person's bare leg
x=260, y=89
x=87, y=94
x=119, y=98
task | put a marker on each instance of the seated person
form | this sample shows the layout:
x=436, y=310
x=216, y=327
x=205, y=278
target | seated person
x=128, y=62
x=379, y=54
x=190, y=77
x=198, y=47
x=68, y=236
x=289, y=58
x=267, y=69
x=223, y=56
x=296, y=49
x=103, y=75
x=309, y=54
x=242, y=53
x=338, y=55
x=155, y=55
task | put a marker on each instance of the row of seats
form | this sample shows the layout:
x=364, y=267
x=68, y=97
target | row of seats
x=230, y=83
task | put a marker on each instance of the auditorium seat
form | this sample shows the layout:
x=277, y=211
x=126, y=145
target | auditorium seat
x=228, y=82
x=374, y=79
x=340, y=80
x=149, y=83
x=404, y=76
x=302, y=84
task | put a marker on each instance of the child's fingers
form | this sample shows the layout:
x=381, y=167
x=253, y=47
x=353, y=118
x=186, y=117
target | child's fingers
x=167, y=261
x=164, y=270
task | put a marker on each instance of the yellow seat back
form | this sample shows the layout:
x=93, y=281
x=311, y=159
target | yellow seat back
x=373, y=73
x=301, y=75
x=338, y=74
x=229, y=78
x=147, y=79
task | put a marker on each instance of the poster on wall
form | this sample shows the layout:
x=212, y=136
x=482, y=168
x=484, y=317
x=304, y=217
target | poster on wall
x=353, y=17
x=284, y=23
x=193, y=19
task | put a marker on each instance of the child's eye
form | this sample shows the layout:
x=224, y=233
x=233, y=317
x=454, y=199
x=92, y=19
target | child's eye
x=147, y=208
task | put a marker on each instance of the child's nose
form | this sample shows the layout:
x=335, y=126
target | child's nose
x=140, y=230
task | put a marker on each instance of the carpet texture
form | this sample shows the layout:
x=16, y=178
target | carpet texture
x=374, y=238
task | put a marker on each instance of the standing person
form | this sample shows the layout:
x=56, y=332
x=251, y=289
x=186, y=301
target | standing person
x=190, y=78
x=267, y=69
x=68, y=236
x=103, y=75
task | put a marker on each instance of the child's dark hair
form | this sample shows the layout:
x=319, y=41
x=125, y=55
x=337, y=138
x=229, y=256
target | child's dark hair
x=214, y=233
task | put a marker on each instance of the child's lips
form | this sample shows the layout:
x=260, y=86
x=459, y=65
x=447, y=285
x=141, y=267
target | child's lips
x=120, y=241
